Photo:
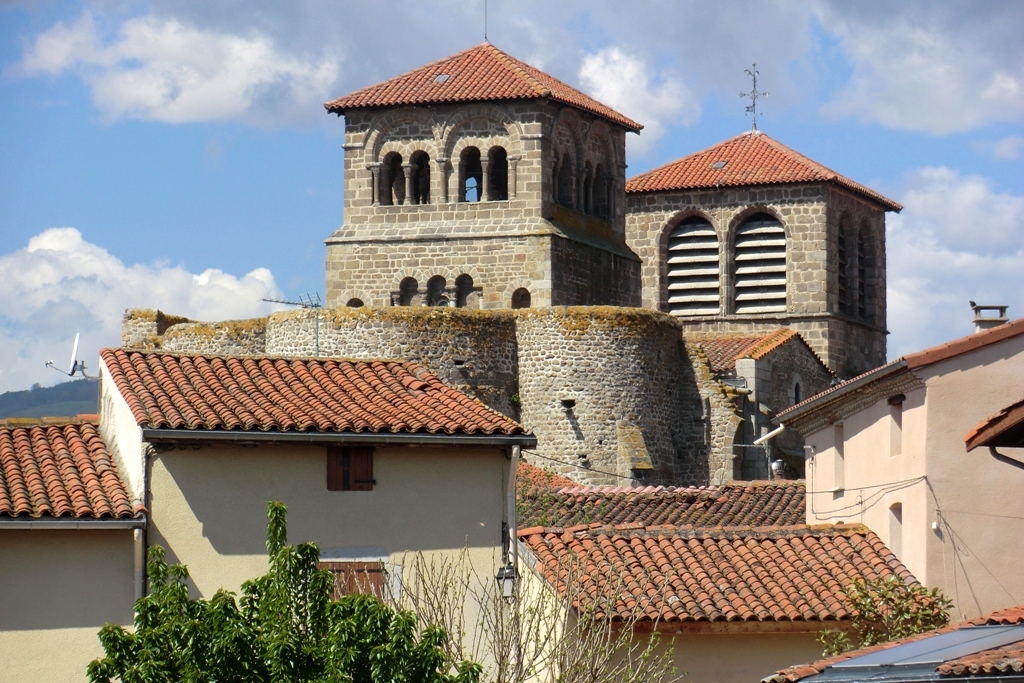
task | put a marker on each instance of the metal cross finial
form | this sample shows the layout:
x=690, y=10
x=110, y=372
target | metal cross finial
x=753, y=95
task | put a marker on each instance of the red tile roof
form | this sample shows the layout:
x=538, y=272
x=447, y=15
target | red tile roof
x=60, y=471
x=480, y=74
x=723, y=574
x=912, y=361
x=734, y=504
x=1005, y=428
x=178, y=391
x=1012, y=615
x=1003, y=660
x=723, y=352
x=751, y=159
x=532, y=477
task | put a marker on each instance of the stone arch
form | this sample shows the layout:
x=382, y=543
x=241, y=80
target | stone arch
x=516, y=284
x=731, y=295
x=408, y=291
x=349, y=295
x=392, y=179
x=466, y=115
x=437, y=291
x=599, y=133
x=521, y=298
x=381, y=126
x=663, y=247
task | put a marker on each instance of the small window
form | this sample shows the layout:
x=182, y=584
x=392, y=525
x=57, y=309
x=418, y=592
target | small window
x=355, y=303
x=471, y=175
x=356, y=578
x=498, y=169
x=839, y=464
x=350, y=469
x=407, y=291
x=463, y=289
x=797, y=393
x=436, y=291
x=521, y=298
x=896, y=425
x=896, y=529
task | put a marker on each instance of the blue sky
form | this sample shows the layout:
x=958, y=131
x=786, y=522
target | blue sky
x=176, y=154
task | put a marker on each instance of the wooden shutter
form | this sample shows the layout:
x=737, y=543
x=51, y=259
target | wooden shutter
x=356, y=578
x=350, y=469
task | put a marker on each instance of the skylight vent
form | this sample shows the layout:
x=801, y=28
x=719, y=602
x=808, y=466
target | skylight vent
x=719, y=165
x=441, y=78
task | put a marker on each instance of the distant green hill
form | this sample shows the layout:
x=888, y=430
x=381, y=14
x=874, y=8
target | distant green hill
x=64, y=399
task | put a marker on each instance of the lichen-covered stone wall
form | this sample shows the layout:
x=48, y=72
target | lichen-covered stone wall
x=594, y=379
x=474, y=351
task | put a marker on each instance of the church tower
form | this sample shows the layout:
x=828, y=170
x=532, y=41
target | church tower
x=478, y=181
x=750, y=235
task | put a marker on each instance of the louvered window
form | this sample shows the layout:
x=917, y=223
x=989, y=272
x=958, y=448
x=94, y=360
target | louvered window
x=350, y=469
x=355, y=578
x=693, y=287
x=760, y=266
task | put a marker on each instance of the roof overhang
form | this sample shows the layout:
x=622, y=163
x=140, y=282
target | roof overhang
x=71, y=524
x=200, y=436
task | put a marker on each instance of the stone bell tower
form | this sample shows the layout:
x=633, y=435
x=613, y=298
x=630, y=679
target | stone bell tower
x=478, y=181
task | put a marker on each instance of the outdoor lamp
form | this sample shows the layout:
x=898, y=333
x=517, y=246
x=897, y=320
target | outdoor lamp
x=506, y=579
x=779, y=468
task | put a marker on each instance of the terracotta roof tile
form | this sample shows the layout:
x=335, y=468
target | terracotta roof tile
x=480, y=74
x=751, y=159
x=1009, y=616
x=60, y=471
x=722, y=574
x=723, y=352
x=178, y=391
x=734, y=504
x=1005, y=428
x=1003, y=660
x=532, y=477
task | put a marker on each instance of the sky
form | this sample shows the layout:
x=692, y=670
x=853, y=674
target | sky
x=176, y=154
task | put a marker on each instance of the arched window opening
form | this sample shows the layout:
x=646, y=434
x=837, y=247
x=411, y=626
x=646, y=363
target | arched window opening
x=587, y=200
x=862, y=284
x=521, y=298
x=392, y=182
x=843, y=274
x=407, y=291
x=435, y=291
x=471, y=175
x=420, y=162
x=797, y=393
x=498, y=170
x=601, y=181
x=354, y=303
x=692, y=260
x=565, y=181
x=760, y=265
x=463, y=288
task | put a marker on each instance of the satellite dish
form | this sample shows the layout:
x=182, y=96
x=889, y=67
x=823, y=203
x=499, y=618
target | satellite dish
x=74, y=365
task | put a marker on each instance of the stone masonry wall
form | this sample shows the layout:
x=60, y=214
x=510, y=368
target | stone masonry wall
x=721, y=416
x=587, y=276
x=610, y=395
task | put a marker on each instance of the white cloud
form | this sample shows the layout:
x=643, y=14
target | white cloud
x=625, y=83
x=929, y=67
x=957, y=240
x=1011, y=148
x=61, y=284
x=164, y=70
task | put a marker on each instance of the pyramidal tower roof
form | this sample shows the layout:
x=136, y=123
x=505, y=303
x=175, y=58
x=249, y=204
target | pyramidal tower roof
x=752, y=158
x=479, y=74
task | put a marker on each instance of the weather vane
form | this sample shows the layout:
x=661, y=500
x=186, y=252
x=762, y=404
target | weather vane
x=753, y=95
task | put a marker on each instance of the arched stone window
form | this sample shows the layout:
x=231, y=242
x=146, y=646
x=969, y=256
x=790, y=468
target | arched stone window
x=463, y=288
x=587, y=200
x=392, y=181
x=354, y=303
x=759, y=275
x=564, y=182
x=497, y=169
x=420, y=163
x=407, y=291
x=692, y=267
x=471, y=175
x=435, y=291
x=521, y=298
x=601, y=192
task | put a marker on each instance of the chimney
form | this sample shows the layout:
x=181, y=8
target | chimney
x=987, y=322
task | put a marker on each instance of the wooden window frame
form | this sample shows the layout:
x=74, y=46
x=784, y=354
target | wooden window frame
x=350, y=468
x=356, y=578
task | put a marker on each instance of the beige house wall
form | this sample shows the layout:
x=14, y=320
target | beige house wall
x=963, y=513
x=208, y=507
x=735, y=657
x=57, y=589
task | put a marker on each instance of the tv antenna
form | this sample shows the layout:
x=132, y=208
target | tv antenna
x=74, y=365
x=753, y=95
x=485, y=21
x=307, y=302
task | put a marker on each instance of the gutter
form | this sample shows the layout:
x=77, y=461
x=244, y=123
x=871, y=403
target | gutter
x=829, y=395
x=327, y=438
x=136, y=523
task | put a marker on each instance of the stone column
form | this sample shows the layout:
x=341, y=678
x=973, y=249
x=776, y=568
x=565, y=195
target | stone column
x=408, y=168
x=442, y=166
x=374, y=170
x=485, y=180
x=513, y=162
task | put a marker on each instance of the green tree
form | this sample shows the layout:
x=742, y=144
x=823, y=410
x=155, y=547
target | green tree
x=284, y=627
x=886, y=609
